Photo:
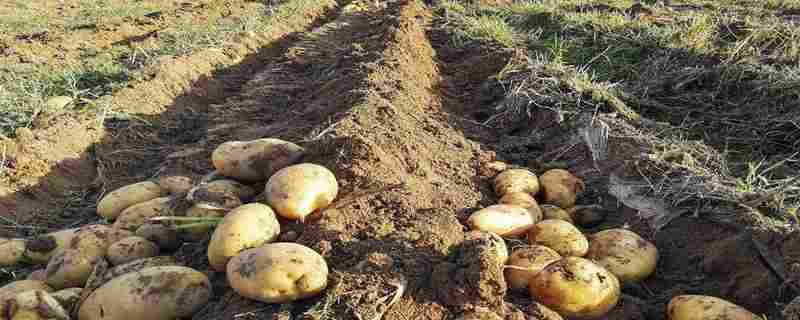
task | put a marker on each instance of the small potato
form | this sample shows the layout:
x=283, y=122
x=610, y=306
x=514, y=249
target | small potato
x=113, y=203
x=587, y=216
x=516, y=180
x=698, y=307
x=211, y=190
x=93, y=240
x=524, y=200
x=175, y=185
x=525, y=263
x=131, y=248
x=67, y=298
x=41, y=248
x=155, y=293
x=165, y=237
x=255, y=160
x=11, y=290
x=137, y=215
x=34, y=305
x=503, y=219
x=552, y=212
x=278, y=272
x=299, y=190
x=494, y=241
x=561, y=236
x=560, y=187
x=248, y=226
x=576, y=288
x=11, y=251
x=623, y=252
x=70, y=268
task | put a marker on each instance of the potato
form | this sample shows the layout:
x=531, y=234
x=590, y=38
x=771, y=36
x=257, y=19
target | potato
x=11, y=251
x=496, y=243
x=576, y=288
x=248, y=226
x=199, y=232
x=131, y=248
x=516, y=180
x=698, y=307
x=278, y=272
x=137, y=215
x=623, y=252
x=175, y=185
x=93, y=240
x=552, y=212
x=526, y=262
x=113, y=203
x=155, y=293
x=587, y=216
x=34, y=305
x=560, y=187
x=41, y=248
x=165, y=237
x=67, y=298
x=299, y=190
x=561, y=236
x=503, y=219
x=210, y=191
x=255, y=160
x=38, y=275
x=11, y=290
x=524, y=200
x=129, y=267
x=70, y=268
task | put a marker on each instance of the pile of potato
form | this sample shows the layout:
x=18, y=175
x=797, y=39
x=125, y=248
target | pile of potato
x=123, y=270
x=568, y=273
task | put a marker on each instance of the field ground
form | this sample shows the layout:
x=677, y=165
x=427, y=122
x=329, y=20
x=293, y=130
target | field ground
x=683, y=118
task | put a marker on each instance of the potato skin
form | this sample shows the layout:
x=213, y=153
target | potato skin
x=224, y=186
x=278, y=272
x=40, y=249
x=70, y=268
x=113, y=203
x=560, y=187
x=495, y=241
x=247, y=226
x=153, y=293
x=524, y=200
x=175, y=185
x=516, y=180
x=11, y=251
x=296, y=191
x=130, y=249
x=255, y=160
x=35, y=305
x=533, y=259
x=11, y=290
x=552, y=212
x=561, y=236
x=504, y=220
x=135, y=216
x=624, y=253
x=576, y=288
x=95, y=239
x=698, y=307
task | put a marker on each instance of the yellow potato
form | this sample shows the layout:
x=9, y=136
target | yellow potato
x=113, y=203
x=41, y=248
x=552, y=212
x=524, y=200
x=516, y=180
x=248, y=226
x=576, y=288
x=222, y=186
x=623, y=252
x=561, y=236
x=698, y=307
x=93, y=240
x=70, y=268
x=175, y=185
x=137, y=215
x=133, y=266
x=153, y=293
x=526, y=262
x=165, y=237
x=278, y=272
x=34, y=305
x=503, y=219
x=67, y=298
x=11, y=290
x=130, y=249
x=11, y=251
x=255, y=160
x=299, y=190
x=560, y=187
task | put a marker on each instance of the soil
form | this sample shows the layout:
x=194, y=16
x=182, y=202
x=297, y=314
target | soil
x=377, y=94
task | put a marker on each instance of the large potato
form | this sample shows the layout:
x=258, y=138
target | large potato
x=255, y=160
x=247, y=226
x=576, y=288
x=623, y=252
x=113, y=203
x=278, y=272
x=137, y=215
x=165, y=237
x=503, y=219
x=41, y=248
x=560, y=187
x=34, y=305
x=552, y=212
x=11, y=251
x=70, y=268
x=526, y=262
x=516, y=180
x=299, y=190
x=155, y=293
x=130, y=249
x=561, y=236
x=698, y=307
x=133, y=266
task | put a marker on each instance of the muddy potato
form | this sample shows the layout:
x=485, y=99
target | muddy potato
x=623, y=252
x=587, y=216
x=133, y=266
x=497, y=244
x=560, y=187
x=278, y=272
x=526, y=262
x=561, y=236
x=113, y=203
x=137, y=215
x=552, y=212
x=503, y=219
x=209, y=191
x=576, y=288
x=34, y=305
x=41, y=248
x=699, y=307
x=255, y=160
x=130, y=249
x=143, y=295
x=11, y=251
x=175, y=184
x=516, y=180
x=70, y=268
x=299, y=190
x=11, y=290
x=94, y=240
x=247, y=226
x=165, y=237
x=67, y=298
